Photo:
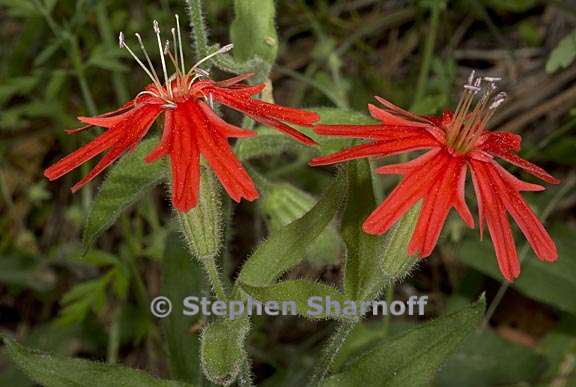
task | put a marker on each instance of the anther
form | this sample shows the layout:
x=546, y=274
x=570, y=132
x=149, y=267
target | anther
x=498, y=100
x=156, y=26
x=471, y=77
x=121, y=39
x=474, y=89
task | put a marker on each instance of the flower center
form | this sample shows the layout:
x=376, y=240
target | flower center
x=179, y=84
x=476, y=107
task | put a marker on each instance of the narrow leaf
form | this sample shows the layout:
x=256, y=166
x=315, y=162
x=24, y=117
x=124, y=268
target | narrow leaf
x=127, y=182
x=56, y=371
x=411, y=358
x=287, y=247
x=283, y=203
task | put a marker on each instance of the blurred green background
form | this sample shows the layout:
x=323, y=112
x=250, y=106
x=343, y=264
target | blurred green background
x=59, y=59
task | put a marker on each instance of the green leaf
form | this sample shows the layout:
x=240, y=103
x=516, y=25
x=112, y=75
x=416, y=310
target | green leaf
x=127, y=182
x=361, y=273
x=479, y=363
x=411, y=358
x=56, y=371
x=287, y=247
x=551, y=283
x=563, y=55
x=301, y=293
x=253, y=31
x=202, y=225
x=371, y=261
x=283, y=203
x=181, y=277
x=222, y=350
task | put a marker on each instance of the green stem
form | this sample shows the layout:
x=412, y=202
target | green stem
x=214, y=277
x=427, y=56
x=199, y=32
x=114, y=339
x=331, y=351
x=389, y=300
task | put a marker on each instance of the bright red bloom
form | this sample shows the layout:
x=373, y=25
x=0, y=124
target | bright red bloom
x=191, y=129
x=455, y=143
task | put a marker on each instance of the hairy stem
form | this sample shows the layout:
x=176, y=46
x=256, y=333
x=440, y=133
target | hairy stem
x=199, y=31
x=214, y=277
x=329, y=354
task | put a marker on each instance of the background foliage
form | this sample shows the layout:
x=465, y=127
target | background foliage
x=59, y=59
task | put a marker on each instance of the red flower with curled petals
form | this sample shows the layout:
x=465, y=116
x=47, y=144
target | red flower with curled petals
x=455, y=142
x=191, y=128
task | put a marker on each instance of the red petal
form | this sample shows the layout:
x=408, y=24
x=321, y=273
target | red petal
x=216, y=150
x=379, y=149
x=127, y=105
x=494, y=212
x=298, y=136
x=165, y=145
x=83, y=154
x=373, y=132
x=398, y=111
x=185, y=163
x=391, y=119
x=260, y=109
x=404, y=168
x=527, y=221
x=128, y=134
x=403, y=197
x=438, y=200
x=504, y=144
x=224, y=127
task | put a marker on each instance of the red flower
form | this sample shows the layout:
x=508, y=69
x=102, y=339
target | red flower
x=191, y=129
x=455, y=142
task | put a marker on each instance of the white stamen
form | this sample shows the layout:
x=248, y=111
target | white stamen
x=173, y=30
x=493, y=79
x=124, y=45
x=202, y=73
x=222, y=50
x=147, y=57
x=121, y=39
x=166, y=47
x=180, y=44
x=471, y=77
x=157, y=31
x=473, y=89
x=498, y=100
